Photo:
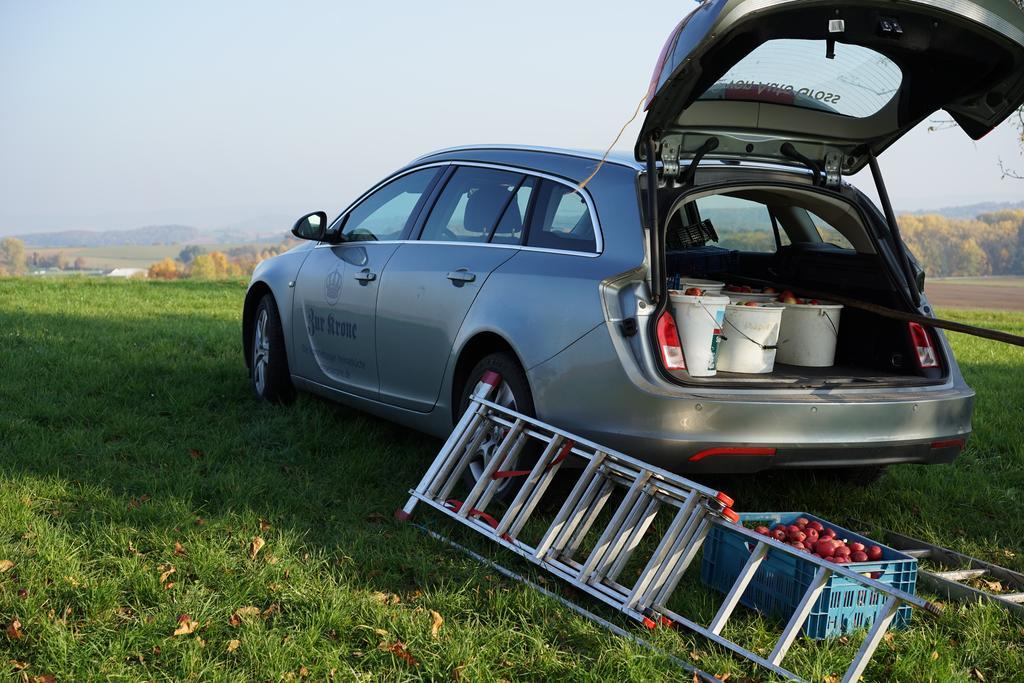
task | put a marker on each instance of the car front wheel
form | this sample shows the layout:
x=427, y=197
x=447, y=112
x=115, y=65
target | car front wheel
x=269, y=367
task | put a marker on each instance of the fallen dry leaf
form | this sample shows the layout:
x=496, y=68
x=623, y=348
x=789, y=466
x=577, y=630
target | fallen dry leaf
x=387, y=598
x=186, y=625
x=18, y=666
x=45, y=678
x=234, y=645
x=233, y=620
x=831, y=679
x=264, y=525
x=695, y=656
x=195, y=453
x=976, y=674
x=436, y=621
x=255, y=546
x=456, y=674
x=935, y=655
x=169, y=585
x=13, y=630
x=303, y=672
x=270, y=611
x=400, y=650
x=376, y=518
x=5, y=566
x=167, y=570
x=179, y=549
x=200, y=521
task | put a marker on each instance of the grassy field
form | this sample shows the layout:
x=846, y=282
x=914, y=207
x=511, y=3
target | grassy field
x=131, y=256
x=136, y=470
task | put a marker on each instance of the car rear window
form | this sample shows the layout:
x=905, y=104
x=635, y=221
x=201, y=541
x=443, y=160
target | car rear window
x=857, y=82
x=561, y=220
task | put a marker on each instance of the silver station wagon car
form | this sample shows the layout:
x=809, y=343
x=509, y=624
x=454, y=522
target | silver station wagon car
x=553, y=267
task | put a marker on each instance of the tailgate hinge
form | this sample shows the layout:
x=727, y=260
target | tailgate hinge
x=833, y=170
x=670, y=158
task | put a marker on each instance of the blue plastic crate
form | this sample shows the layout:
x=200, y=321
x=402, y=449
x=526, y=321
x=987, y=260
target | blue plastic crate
x=782, y=580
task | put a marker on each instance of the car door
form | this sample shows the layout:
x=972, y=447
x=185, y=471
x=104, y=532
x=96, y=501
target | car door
x=337, y=287
x=430, y=283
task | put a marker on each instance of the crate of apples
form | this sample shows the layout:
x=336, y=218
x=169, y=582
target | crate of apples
x=783, y=578
x=812, y=536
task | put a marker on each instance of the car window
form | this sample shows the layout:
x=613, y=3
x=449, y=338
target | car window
x=857, y=82
x=561, y=220
x=470, y=205
x=741, y=224
x=510, y=228
x=829, y=234
x=385, y=214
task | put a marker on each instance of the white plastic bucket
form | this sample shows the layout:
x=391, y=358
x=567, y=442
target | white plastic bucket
x=740, y=298
x=749, y=339
x=710, y=287
x=809, y=335
x=699, y=320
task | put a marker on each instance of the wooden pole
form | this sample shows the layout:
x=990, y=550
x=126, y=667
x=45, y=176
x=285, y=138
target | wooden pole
x=994, y=335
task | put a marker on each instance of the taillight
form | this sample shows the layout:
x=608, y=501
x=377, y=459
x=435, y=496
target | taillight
x=668, y=342
x=927, y=356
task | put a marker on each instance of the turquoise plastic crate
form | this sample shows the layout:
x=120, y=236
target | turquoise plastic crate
x=782, y=580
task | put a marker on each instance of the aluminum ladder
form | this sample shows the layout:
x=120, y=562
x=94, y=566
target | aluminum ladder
x=646, y=492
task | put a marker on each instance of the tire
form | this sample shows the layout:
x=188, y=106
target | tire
x=514, y=392
x=268, y=370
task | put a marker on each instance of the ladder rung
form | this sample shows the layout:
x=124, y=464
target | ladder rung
x=612, y=534
x=960, y=574
x=509, y=445
x=796, y=622
x=646, y=519
x=922, y=554
x=574, y=535
x=739, y=588
x=531, y=491
x=676, y=527
x=583, y=484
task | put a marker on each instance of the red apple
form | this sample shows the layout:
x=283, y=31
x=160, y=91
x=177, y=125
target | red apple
x=859, y=556
x=752, y=304
x=763, y=530
x=802, y=522
x=798, y=536
x=827, y=533
x=857, y=547
x=874, y=553
x=779, y=535
x=694, y=291
x=841, y=550
x=812, y=535
x=841, y=559
x=770, y=290
x=798, y=545
x=816, y=526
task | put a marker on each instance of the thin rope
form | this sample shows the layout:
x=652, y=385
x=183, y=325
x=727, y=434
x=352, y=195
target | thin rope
x=608, y=151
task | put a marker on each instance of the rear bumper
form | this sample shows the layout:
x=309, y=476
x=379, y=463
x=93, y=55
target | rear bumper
x=587, y=390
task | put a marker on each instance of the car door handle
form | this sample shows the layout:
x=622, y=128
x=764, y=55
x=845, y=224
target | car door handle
x=365, y=276
x=461, y=276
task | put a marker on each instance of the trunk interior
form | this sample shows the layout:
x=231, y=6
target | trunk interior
x=814, y=244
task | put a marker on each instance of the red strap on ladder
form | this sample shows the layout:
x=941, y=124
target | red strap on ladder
x=562, y=455
x=456, y=505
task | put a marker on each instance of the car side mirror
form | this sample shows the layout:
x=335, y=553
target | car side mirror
x=311, y=226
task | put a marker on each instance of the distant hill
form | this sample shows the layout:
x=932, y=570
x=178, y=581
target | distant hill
x=145, y=236
x=969, y=211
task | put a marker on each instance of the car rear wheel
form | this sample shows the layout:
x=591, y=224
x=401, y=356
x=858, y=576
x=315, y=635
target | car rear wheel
x=513, y=393
x=269, y=367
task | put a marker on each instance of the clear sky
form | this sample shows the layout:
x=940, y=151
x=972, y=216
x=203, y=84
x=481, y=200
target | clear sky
x=120, y=114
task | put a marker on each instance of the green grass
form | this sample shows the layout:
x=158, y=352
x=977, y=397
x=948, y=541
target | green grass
x=127, y=426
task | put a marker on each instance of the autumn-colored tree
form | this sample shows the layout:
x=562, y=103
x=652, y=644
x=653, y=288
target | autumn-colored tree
x=79, y=263
x=166, y=269
x=12, y=256
x=212, y=266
